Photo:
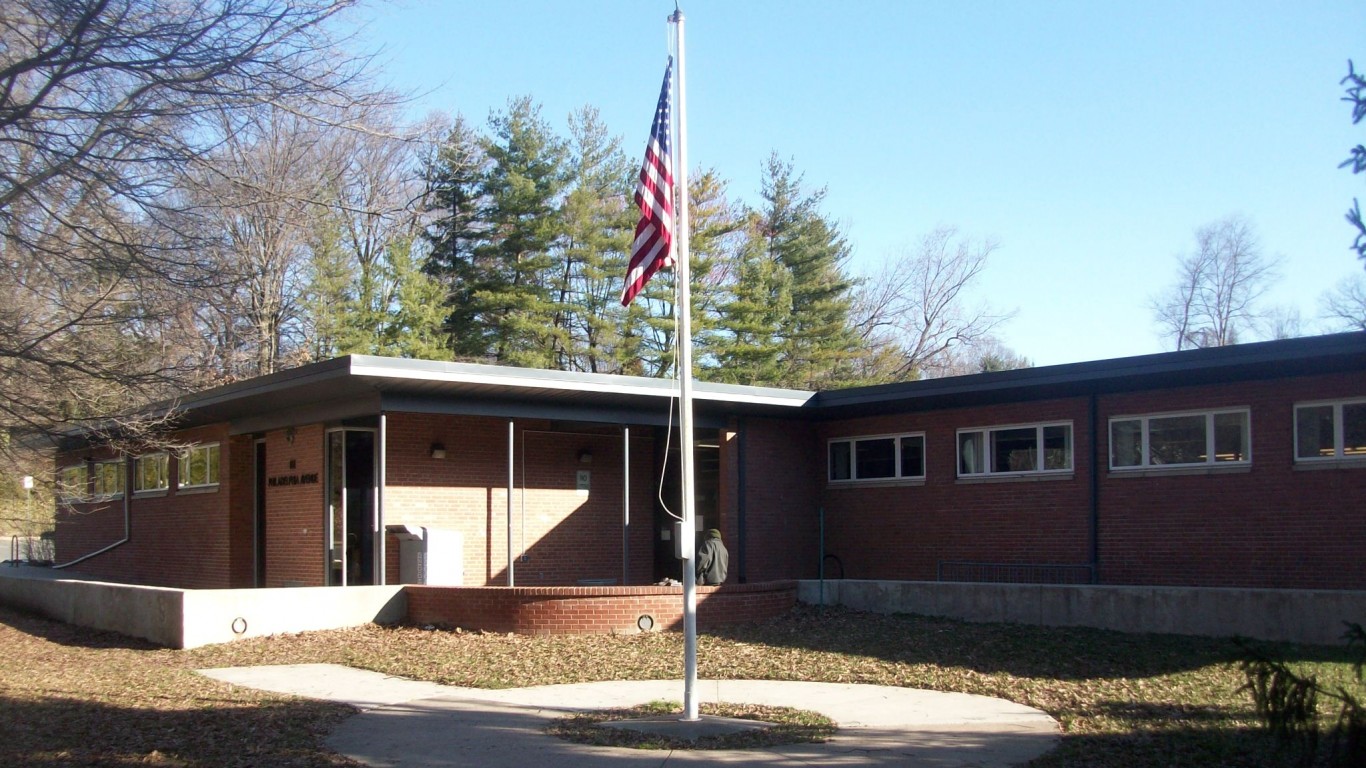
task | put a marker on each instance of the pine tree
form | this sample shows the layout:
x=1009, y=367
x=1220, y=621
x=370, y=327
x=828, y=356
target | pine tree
x=818, y=340
x=455, y=200
x=522, y=185
x=716, y=226
x=759, y=306
x=599, y=219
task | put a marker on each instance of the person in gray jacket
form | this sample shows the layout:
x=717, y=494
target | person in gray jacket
x=712, y=559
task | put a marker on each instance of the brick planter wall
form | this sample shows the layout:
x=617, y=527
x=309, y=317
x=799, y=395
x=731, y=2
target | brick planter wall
x=593, y=610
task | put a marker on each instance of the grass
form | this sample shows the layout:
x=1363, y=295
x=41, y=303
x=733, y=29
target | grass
x=71, y=696
x=786, y=726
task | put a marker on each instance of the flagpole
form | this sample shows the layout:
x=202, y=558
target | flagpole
x=685, y=443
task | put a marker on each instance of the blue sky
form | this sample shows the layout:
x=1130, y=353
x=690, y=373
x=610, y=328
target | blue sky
x=1089, y=139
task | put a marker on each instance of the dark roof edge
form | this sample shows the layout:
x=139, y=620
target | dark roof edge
x=1162, y=363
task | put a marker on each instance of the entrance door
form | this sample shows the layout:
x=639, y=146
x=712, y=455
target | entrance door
x=351, y=507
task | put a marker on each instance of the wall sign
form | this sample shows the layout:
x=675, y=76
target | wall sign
x=310, y=478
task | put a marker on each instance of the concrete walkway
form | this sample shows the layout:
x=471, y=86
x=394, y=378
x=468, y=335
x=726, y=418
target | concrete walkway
x=407, y=724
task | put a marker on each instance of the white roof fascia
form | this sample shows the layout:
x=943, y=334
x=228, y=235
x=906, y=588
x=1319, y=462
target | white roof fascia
x=571, y=381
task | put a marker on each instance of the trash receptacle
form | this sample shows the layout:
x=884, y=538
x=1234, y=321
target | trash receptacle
x=431, y=556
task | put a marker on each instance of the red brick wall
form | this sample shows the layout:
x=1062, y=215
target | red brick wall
x=781, y=497
x=1272, y=525
x=1275, y=526
x=904, y=531
x=296, y=532
x=592, y=610
x=177, y=538
x=560, y=534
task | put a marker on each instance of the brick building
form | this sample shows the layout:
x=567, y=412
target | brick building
x=1240, y=466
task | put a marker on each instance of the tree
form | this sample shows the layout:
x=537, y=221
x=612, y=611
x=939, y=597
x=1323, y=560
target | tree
x=750, y=349
x=598, y=219
x=1356, y=96
x=913, y=313
x=817, y=339
x=1345, y=306
x=455, y=206
x=716, y=241
x=1213, y=302
x=106, y=106
x=493, y=251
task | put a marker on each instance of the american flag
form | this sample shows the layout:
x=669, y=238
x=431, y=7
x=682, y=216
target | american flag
x=652, y=249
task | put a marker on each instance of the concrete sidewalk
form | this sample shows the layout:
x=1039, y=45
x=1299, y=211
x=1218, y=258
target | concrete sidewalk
x=406, y=723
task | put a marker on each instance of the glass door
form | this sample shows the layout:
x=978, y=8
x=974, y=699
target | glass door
x=351, y=507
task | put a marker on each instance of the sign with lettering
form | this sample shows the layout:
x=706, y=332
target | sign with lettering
x=310, y=478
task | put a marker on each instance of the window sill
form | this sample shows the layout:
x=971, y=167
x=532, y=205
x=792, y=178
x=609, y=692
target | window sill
x=156, y=494
x=1016, y=477
x=1311, y=465
x=1237, y=469
x=190, y=490
x=880, y=483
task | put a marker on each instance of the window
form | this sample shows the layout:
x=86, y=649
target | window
x=72, y=483
x=199, y=466
x=884, y=457
x=1330, y=430
x=1180, y=440
x=108, y=477
x=1015, y=450
x=150, y=473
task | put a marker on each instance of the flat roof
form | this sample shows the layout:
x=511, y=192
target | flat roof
x=363, y=385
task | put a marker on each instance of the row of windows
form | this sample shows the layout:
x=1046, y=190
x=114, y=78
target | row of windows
x=1323, y=431
x=198, y=468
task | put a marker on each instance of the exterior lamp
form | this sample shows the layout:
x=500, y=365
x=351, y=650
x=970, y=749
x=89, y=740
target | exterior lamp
x=438, y=451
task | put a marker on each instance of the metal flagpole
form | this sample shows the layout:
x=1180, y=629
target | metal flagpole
x=685, y=443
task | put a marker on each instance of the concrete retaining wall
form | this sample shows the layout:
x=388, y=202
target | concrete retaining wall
x=190, y=618
x=152, y=613
x=1301, y=616
x=223, y=615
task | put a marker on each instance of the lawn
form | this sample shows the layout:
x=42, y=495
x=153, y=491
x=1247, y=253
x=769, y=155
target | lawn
x=71, y=696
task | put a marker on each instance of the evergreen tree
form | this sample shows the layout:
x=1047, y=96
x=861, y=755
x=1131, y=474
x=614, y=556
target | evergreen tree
x=759, y=306
x=716, y=233
x=599, y=220
x=817, y=338
x=455, y=202
x=512, y=294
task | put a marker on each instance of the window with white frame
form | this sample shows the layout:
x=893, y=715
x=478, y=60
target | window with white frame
x=1335, y=430
x=1015, y=450
x=880, y=457
x=107, y=479
x=150, y=473
x=1193, y=439
x=73, y=483
x=198, y=467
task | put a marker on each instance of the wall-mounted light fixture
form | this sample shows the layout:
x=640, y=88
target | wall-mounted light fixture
x=438, y=451
x=289, y=435
x=585, y=456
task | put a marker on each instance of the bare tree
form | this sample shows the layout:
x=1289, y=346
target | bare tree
x=104, y=106
x=1344, y=308
x=1214, y=299
x=914, y=312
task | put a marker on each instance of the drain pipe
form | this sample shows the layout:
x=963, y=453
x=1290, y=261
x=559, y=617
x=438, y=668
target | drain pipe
x=821, y=570
x=127, y=520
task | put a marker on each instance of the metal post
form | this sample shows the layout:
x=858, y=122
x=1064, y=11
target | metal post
x=685, y=443
x=377, y=536
x=511, y=479
x=625, y=505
